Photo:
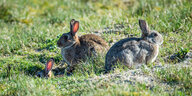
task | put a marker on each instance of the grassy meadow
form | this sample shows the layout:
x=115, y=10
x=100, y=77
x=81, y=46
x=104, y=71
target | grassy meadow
x=29, y=30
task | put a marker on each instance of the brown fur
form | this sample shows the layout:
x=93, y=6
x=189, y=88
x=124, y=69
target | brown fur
x=47, y=72
x=83, y=47
x=75, y=49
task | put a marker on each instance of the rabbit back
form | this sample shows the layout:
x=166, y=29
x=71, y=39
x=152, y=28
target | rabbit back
x=93, y=41
x=131, y=52
x=90, y=45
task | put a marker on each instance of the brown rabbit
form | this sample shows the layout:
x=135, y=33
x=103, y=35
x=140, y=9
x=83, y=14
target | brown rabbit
x=47, y=73
x=75, y=49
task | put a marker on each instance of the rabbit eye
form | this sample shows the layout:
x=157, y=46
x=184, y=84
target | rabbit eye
x=65, y=37
x=38, y=75
x=154, y=34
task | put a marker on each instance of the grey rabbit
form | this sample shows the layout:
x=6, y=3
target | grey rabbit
x=135, y=51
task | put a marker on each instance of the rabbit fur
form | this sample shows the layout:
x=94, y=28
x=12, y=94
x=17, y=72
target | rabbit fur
x=75, y=49
x=47, y=72
x=133, y=52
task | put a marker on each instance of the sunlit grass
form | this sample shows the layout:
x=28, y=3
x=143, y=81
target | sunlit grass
x=29, y=30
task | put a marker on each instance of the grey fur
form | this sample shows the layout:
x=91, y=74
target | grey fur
x=135, y=51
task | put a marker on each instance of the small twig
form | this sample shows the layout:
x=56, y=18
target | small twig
x=8, y=70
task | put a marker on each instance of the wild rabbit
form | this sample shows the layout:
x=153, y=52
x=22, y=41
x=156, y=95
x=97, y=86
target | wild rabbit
x=75, y=49
x=47, y=72
x=135, y=51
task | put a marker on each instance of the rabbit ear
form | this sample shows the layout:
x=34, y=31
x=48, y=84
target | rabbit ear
x=71, y=24
x=144, y=27
x=49, y=65
x=74, y=26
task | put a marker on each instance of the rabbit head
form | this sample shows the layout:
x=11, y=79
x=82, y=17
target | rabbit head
x=47, y=71
x=151, y=36
x=70, y=38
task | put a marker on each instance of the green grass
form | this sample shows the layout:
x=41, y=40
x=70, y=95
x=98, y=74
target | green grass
x=179, y=77
x=29, y=30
